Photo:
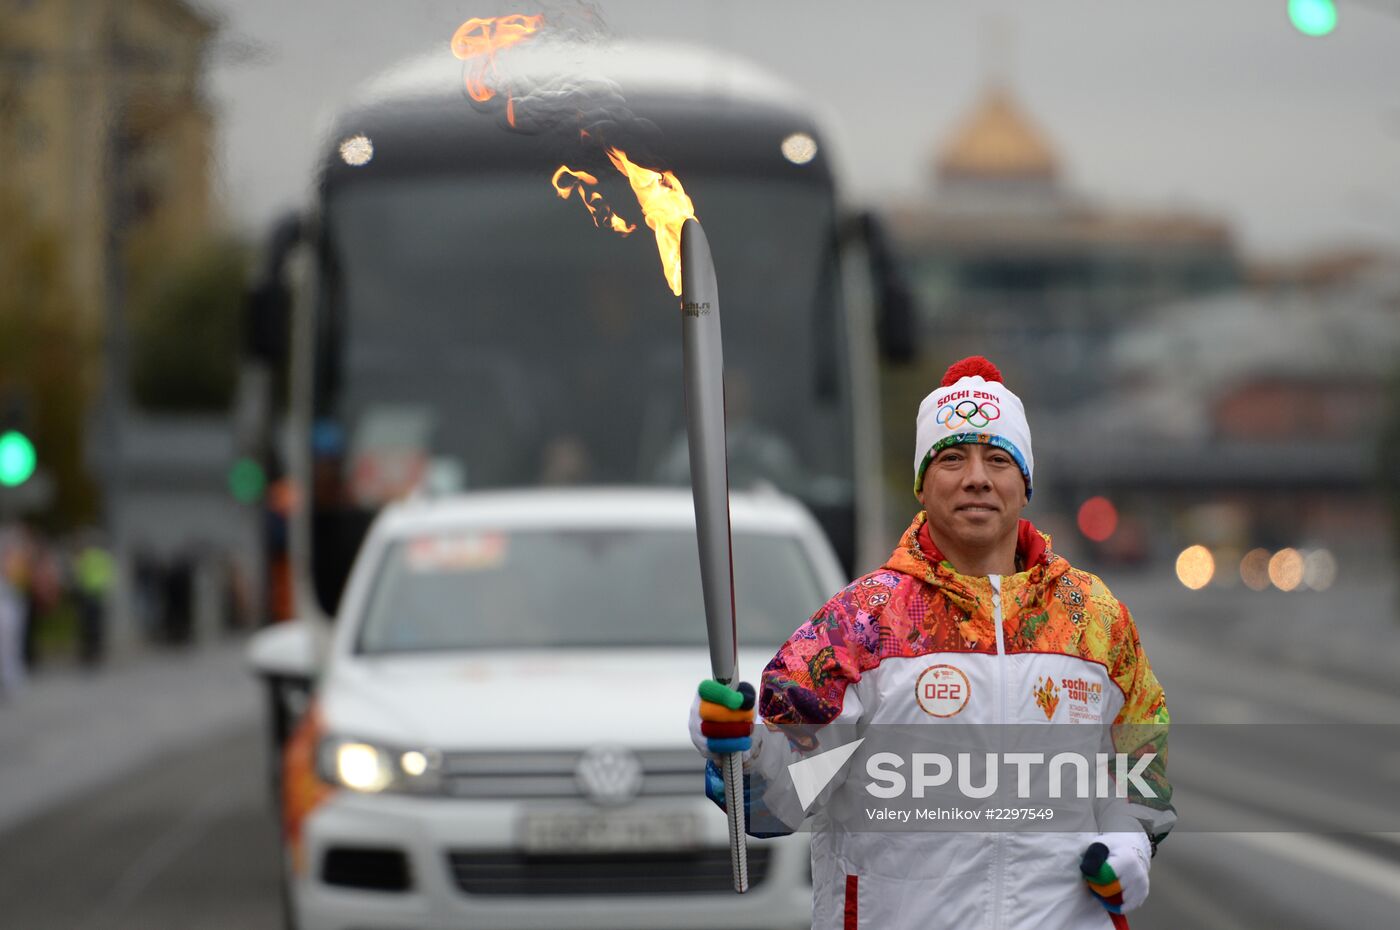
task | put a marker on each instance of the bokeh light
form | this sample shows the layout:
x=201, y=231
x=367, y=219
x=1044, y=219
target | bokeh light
x=1098, y=518
x=414, y=762
x=1313, y=17
x=1286, y=569
x=799, y=148
x=1195, y=567
x=356, y=151
x=282, y=497
x=1319, y=569
x=246, y=481
x=17, y=459
x=1254, y=569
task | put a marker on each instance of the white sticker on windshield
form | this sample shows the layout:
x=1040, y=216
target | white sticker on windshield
x=464, y=553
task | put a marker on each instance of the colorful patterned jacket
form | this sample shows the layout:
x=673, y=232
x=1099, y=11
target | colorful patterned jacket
x=917, y=643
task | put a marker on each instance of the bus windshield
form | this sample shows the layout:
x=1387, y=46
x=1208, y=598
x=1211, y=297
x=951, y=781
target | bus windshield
x=478, y=329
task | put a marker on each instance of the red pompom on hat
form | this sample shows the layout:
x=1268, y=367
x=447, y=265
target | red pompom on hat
x=971, y=367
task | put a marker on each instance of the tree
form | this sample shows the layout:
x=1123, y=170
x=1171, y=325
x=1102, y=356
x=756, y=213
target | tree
x=48, y=356
x=187, y=327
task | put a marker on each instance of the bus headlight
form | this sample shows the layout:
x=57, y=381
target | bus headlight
x=371, y=768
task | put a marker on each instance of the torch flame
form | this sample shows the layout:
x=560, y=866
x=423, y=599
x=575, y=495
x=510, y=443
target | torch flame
x=598, y=208
x=566, y=190
x=663, y=201
x=666, y=208
x=481, y=39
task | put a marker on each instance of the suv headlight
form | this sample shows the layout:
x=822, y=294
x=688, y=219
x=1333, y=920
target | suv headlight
x=372, y=768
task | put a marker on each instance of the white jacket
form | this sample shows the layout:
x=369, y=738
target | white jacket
x=917, y=644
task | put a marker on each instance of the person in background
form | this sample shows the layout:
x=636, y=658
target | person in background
x=93, y=573
x=13, y=614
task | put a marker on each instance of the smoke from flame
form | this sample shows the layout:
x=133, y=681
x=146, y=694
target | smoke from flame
x=599, y=107
x=481, y=39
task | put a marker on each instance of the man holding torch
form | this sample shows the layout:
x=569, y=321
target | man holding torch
x=972, y=620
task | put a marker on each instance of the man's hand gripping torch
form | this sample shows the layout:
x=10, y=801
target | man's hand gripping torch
x=709, y=481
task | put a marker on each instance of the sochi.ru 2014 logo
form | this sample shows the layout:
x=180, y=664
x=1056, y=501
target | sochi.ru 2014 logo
x=942, y=690
x=1085, y=699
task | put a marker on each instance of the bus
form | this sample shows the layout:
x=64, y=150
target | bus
x=457, y=324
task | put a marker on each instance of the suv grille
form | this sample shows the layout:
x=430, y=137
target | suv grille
x=529, y=775
x=704, y=871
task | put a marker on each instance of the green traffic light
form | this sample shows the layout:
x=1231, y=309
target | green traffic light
x=1313, y=17
x=17, y=459
x=246, y=481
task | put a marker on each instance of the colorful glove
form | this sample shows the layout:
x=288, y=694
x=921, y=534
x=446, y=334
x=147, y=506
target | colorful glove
x=1115, y=867
x=721, y=718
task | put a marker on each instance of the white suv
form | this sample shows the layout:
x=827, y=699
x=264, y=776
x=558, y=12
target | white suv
x=497, y=737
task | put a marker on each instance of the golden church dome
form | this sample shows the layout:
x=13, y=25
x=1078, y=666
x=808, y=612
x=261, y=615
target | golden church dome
x=997, y=141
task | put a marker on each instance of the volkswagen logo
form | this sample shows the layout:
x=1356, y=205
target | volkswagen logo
x=609, y=774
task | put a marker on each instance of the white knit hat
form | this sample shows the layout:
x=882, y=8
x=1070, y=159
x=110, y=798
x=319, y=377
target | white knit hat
x=972, y=405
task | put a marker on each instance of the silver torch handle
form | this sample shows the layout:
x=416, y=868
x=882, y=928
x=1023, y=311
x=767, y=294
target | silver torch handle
x=709, y=481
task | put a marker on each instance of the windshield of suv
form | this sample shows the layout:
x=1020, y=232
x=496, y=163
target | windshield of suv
x=577, y=588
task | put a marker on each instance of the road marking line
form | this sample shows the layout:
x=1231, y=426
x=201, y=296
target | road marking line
x=157, y=857
x=1324, y=855
x=1203, y=911
x=1280, y=687
x=1277, y=796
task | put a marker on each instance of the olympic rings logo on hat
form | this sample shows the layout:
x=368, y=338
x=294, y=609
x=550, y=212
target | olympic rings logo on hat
x=967, y=413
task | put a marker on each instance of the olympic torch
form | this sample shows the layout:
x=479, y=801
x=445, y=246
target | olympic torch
x=709, y=481
x=671, y=215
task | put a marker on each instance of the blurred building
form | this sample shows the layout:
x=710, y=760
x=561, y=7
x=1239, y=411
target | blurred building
x=97, y=92
x=1249, y=418
x=106, y=142
x=1008, y=260
x=1209, y=402
x=184, y=529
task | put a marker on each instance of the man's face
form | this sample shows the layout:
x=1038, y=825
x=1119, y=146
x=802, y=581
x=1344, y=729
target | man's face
x=973, y=494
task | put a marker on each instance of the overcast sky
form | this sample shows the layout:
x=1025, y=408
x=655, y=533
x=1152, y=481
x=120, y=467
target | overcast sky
x=1212, y=105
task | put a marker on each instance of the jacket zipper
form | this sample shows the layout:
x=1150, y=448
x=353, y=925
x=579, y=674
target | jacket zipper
x=1000, y=718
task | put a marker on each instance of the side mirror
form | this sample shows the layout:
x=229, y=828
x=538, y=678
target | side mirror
x=269, y=295
x=289, y=651
x=895, y=318
x=286, y=656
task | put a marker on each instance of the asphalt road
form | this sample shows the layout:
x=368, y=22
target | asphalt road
x=188, y=840
x=1273, y=742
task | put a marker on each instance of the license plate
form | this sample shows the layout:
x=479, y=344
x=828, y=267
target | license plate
x=608, y=831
